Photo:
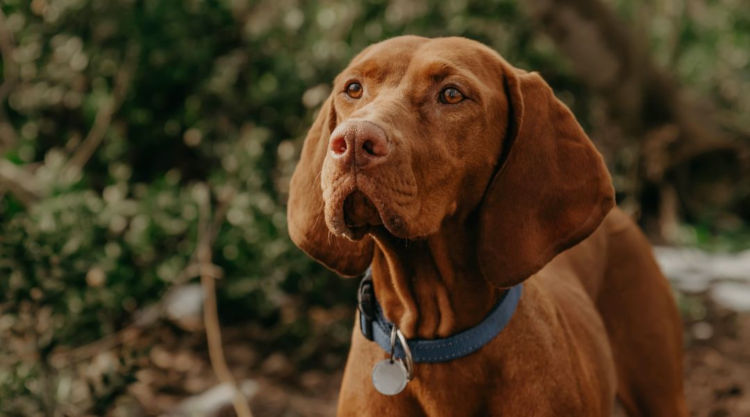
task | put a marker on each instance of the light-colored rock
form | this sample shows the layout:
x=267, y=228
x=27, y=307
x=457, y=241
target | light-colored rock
x=183, y=305
x=733, y=295
x=726, y=276
x=209, y=403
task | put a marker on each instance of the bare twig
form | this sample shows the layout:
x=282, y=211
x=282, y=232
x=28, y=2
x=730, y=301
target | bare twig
x=103, y=118
x=17, y=181
x=8, y=135
x=81, y=353
x=206, y=232
x=150, y=314
x=195, y=266
x=10, y=70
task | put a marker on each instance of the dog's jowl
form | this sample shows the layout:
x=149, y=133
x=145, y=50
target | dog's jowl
x=498, y=278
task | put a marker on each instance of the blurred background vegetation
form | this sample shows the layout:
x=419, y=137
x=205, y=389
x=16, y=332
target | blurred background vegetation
x=125, y=124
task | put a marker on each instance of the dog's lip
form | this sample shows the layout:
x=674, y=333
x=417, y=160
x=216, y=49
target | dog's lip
x=359, y=210
x=387, y=220
x=360, y=214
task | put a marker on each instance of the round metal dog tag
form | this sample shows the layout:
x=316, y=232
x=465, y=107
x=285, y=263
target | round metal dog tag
x=390, y=376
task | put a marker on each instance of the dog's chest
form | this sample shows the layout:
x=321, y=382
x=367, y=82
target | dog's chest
x=535, y=372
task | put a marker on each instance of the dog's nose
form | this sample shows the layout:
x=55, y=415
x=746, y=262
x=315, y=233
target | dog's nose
x=361, y=143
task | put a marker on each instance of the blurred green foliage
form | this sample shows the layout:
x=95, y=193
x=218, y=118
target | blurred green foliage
x=219, y=92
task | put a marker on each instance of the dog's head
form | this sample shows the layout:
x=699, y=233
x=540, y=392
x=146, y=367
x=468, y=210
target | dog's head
x=417, y=131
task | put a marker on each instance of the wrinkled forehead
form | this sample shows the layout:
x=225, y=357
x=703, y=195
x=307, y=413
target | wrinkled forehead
x=391, y=60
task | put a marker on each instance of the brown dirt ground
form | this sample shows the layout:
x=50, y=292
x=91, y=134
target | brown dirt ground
x=717, y=369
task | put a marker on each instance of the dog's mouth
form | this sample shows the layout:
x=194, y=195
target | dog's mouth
x=360, y=214
x=363, y=213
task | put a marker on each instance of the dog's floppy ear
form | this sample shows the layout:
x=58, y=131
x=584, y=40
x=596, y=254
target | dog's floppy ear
x=551, y=190
x=307, y=226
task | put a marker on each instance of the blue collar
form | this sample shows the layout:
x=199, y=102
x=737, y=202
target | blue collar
x=377, y=328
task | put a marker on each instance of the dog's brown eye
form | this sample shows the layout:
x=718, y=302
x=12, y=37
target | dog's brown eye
x=354, y=90
x=451, y=95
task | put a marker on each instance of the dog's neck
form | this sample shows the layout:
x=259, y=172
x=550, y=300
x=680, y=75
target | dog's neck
x=431, y=288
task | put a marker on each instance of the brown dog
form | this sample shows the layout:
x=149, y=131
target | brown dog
x=456, y=176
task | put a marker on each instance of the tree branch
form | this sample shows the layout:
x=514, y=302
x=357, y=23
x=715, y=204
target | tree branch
x=103, y=118
x=18, y=182
x=8, y=135
x=206, y=234
x=16, y=179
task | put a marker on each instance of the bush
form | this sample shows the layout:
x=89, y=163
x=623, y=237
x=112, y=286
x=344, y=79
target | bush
x=130, y=114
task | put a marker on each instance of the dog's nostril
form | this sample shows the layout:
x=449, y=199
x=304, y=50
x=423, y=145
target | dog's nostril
x=369, y=147
x=338, y=146
x=375, y=148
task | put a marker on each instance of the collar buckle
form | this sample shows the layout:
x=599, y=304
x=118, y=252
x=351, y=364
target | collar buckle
x=398, y=337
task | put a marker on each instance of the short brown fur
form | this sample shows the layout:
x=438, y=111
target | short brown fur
x=459, y=202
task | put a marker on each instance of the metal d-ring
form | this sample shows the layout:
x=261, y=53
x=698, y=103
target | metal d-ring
x=408, y=360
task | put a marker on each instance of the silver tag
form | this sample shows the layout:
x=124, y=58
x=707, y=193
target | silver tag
x=390, y=376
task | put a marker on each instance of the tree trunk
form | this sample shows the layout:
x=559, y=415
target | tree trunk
x=644, y=101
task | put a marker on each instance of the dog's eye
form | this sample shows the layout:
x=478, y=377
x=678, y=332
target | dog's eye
x=354, y=90
x=451, y=95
